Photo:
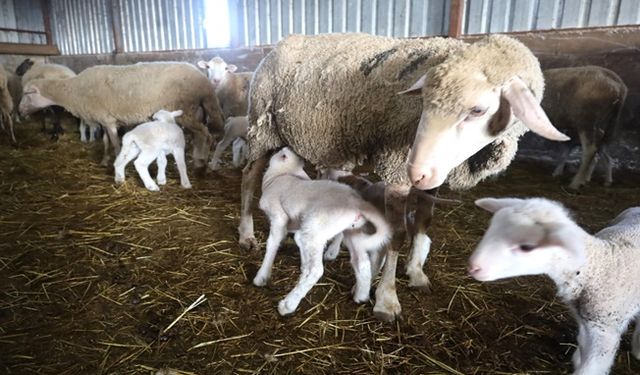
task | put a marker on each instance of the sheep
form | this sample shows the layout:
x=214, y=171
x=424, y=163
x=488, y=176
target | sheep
x=30, y=70
x=596, y=275
x=6, y=104
x=240, y=151
x=232, y=89
x=316, y=211
x=235, y=128
x=127, y=95
x=586, y=101
x=333, y=99
x=153, y=141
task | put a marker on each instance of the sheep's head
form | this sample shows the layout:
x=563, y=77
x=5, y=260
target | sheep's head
x=32, y=100
x=216, y=69
x=468, y=102
x=167, y=116
x=526, y=237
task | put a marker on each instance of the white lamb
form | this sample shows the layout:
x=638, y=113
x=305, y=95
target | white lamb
x=153, y=141
x=235, y=131
x=597, y=276
x=316, y=211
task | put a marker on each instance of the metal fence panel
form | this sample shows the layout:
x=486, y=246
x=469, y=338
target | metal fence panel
x=24, y=15
x=81, y=26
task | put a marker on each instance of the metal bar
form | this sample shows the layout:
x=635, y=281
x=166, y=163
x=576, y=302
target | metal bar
x=374, y=16
x=303, y=16
x=91, y=15
x=161, y=29
x=330, y=15
x=72, y=28
x=390, y=19
x=407, y=17
x=176, y=23
x=245, y=19
x=290, y=16
x=359, y=16
x=28, y=49
x=256, y=17
x=23, y=31
x=194, y=43
x=185, y=42
x=455, y=20
x=268, y=23
x=344, y=16
x=46, y=19
x=316, y=17
x=425, y=18
x=279, y=18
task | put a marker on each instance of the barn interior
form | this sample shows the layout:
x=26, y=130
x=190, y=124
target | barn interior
x=99, y=278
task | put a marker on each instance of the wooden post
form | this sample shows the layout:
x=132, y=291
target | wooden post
x=46, y=20
x=116, y=25
x=455, y=18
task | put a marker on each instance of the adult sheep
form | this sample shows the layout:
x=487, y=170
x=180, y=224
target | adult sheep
x=586, y=101
x=9, y=97
x=333, y=99
x=128, y=95
x=232, y=88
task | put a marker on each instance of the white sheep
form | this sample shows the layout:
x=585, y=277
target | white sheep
x=153, y=141
x=6, y=103
x=232, y=89
x=333, y=98
x=316, y=211
x=235, y=129
x=597, y=276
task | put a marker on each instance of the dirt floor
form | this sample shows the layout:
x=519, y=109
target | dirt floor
x=93, y=275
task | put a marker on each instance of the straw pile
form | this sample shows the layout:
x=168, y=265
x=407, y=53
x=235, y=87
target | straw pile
x=104, y=279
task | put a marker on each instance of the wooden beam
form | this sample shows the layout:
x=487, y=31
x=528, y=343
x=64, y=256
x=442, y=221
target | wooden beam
x=46, y=19
x=116, y=25
x=28, y=49
x=455, y=18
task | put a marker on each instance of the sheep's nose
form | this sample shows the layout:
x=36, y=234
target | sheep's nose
x=423, y=178
x=474, y=269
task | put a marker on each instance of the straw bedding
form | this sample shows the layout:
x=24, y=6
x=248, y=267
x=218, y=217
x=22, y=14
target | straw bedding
x=104, y=279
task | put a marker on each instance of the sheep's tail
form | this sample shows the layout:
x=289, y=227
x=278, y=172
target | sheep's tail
x=613, y=123
x=372, y=242
x=213, y=113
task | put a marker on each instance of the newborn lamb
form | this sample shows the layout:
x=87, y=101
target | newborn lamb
x=316, y=211
x=153, y=141
x=596, y=275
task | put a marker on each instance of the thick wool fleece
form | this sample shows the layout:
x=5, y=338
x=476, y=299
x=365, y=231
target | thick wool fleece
x=333, y=98
x=233, y=95
x=47, y=71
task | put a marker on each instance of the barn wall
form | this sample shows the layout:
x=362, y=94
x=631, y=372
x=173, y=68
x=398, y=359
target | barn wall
x=21, y=14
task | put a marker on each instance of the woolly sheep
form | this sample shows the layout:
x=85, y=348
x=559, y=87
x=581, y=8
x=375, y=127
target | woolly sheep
x=232, y=89
x=316, y=211
x=586, y=101
x=235, y=128
x=30, y=70
x=333, y=99
x=128, y=95
x=6, y=104
x=153, y=141
x=596, y=275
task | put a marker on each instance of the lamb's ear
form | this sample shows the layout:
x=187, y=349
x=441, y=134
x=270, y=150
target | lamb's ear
x=231, y=68
x=527, y=109
x=203, y=64
x=176, y=113
x=494, y=204
x=416, y=88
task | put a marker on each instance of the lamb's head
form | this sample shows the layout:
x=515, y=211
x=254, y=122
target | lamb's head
x=32, y=99
x=167, y=116
x=217, y=69
x=285, y=161
x=468, y=101
x=527, y=237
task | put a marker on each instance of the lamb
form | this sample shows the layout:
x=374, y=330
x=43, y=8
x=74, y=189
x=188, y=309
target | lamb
x=232, y=89
x=586, y=101
x=30, y=70
x=235, y=129
x=6, y=103
x=128, y=95
x=153, y=141
x=333, y=99
x=316, y=211
x=596, y=275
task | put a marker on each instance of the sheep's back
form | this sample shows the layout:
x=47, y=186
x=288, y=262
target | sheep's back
x=47, y=71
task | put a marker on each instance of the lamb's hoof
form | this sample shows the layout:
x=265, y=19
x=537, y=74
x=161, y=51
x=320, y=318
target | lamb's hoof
x=608, y=183
x=119, y=181
x=248, y=243
x=153, y=188
x=260, y=280
x=387, y=311
x=420, y=281
x=186, y=186
x=162, y=182
x=213, y=166
x=284, y=308
x=331, y=254
x=386, y=316
x=575, y=186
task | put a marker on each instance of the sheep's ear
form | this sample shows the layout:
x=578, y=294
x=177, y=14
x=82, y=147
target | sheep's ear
x=527, y=109
x=176, y=113
x=203, y=64
x=416, y=88
x=494, y=204
x=231, y=68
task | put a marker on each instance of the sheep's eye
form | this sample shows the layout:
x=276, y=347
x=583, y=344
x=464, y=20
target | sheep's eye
x=526, y=247
x=477, y=111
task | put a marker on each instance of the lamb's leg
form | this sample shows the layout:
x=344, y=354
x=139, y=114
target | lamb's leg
x=251, y=177
x=111, y=131
x=635, y=340
x=562, y=161
x=178, y=155
x=311, y=272
x=607, y=162
x=83, y=131
x=125, y=156
x=387, y=306
x=331, y=253
x=239, y=149
x=277, y=232
x=142, y=166
x=161, y=161
x=93, y=129
x=214, y=164
x=582, y=342
x=599, y=350
x=421, y=244
x=362, y=270
x=588, y=153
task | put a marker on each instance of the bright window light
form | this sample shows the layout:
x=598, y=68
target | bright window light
x=216, y=23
